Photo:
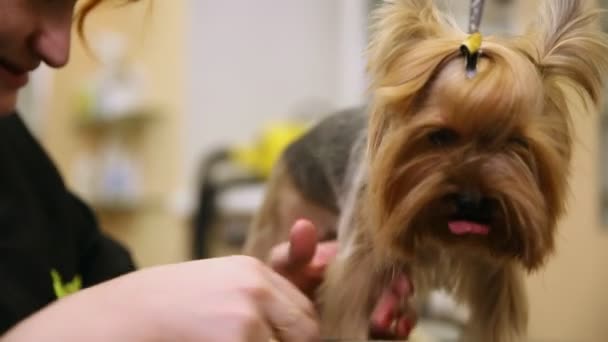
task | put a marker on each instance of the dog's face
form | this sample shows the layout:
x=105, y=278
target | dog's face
x=471, y=164
x=477, y=164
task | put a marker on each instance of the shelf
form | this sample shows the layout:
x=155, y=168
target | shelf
x=120, y=207
x=123, y=121
x=244, y=200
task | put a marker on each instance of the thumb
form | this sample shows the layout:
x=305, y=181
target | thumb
x=299, y=251
x=302, y=244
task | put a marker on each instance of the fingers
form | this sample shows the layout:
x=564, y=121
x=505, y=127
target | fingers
x=388, y=322
x=303, y=250
x=326, y=252
x=301, y=260
x=253, y=326
x=290, y=314
x=385, y=311
x=274, y=302
x=403, y=327
x=285, y=287
x=289, y=324
x=402, y=287
x=392, y=317
x=303, y=243
x=299, y=251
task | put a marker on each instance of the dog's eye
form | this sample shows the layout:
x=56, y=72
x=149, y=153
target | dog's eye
x=443, y=137
x=520, y=141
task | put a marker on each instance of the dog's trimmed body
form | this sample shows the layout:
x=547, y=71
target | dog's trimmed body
x=310, y=181
x=457, y=182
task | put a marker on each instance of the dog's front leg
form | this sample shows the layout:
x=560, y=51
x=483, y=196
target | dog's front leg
x=346, y=294
x=499, y=309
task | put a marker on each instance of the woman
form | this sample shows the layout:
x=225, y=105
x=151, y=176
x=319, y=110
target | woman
x=50, y=244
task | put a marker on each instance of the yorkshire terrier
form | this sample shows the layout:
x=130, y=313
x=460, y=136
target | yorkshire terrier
x=456, y=180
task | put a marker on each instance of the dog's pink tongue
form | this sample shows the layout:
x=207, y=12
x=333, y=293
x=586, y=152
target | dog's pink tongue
x=468, y=227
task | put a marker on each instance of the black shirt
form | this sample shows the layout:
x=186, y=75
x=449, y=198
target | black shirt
x=44, y=227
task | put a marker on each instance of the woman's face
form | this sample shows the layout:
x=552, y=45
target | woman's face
x=31, y=32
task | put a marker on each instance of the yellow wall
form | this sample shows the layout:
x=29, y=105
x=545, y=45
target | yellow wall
x=569, y=298
x=155, y=29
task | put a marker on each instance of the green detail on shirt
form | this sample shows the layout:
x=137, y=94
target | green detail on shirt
x=61, y=289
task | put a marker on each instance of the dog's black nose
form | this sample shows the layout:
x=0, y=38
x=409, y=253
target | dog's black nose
x=472, y=205
x=469, y=202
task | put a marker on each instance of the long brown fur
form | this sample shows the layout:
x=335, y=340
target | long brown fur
x=504, y=136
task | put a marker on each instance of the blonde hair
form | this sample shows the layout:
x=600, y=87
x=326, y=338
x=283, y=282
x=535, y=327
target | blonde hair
x=86, y=9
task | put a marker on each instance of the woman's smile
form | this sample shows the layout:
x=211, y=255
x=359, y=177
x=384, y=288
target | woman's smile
x=12, y=76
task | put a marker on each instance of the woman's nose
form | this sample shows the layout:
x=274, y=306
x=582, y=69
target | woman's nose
x=51, y=42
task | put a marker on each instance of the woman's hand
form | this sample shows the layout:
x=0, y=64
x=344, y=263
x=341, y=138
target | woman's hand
x=303, y=261
x=223, y=299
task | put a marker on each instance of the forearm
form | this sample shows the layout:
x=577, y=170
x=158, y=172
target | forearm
x=92, y=315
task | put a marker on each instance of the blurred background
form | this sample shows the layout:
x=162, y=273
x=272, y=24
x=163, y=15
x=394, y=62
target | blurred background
x=168, y=132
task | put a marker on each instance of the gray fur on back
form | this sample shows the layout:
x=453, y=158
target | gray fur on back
x=319, y=162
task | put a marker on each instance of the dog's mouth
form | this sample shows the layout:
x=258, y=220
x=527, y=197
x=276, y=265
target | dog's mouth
x=472, y=214
x=466, y=227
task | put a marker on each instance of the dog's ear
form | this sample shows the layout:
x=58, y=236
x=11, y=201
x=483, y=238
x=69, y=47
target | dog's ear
x=572, y=49
x=397, y=26
x=397, y=65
